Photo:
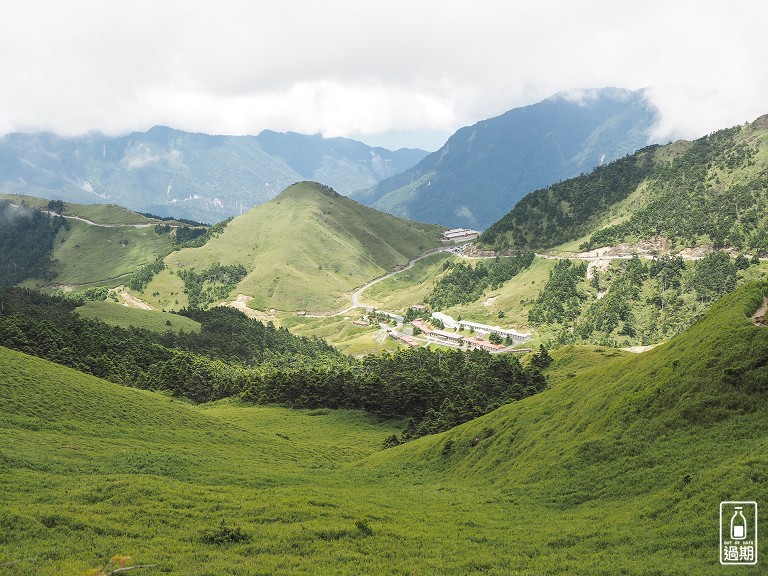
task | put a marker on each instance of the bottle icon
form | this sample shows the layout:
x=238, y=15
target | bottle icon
x=738, y=525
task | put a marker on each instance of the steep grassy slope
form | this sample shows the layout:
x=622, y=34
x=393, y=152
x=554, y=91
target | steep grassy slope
x=305, y=250
x=620, y=468
x=89, y=254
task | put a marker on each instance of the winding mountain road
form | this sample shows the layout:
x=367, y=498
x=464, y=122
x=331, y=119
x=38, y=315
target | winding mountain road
x=356, y=303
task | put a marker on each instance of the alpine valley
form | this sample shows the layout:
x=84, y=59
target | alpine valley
x=316, y=387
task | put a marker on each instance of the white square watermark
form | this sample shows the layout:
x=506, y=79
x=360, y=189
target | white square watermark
x=738, y=533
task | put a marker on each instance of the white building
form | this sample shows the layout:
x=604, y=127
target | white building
x=447, y=321
x=513, y=335
x=460, y=234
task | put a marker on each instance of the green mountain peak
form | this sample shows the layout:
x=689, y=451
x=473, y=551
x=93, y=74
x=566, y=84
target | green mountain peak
x=306, y=249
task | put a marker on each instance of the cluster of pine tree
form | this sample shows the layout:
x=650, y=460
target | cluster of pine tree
x=205, y=287
x=465, y=283
x=633, y=301
x=26, y=243
x=560, y=300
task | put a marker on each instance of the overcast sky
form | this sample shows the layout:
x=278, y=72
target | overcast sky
x=395, y=73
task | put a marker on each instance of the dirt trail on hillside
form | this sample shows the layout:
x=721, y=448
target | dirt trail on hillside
x=760, y=318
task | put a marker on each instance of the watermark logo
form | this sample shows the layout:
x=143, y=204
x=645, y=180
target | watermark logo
x=738, y=533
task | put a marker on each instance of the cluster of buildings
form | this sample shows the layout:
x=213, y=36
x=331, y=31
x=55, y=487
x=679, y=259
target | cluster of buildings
x=471, y=341
x=451, y=334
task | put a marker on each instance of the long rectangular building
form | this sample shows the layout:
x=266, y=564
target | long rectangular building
x=513, y=335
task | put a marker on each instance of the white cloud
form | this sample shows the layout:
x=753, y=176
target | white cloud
x=342, y=67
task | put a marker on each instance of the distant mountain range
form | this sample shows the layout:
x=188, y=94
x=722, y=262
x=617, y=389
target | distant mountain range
x=473, y=180
x=173, y=173
x=483, y=170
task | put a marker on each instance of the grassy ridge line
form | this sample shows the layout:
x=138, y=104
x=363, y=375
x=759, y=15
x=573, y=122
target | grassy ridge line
x=103, y=214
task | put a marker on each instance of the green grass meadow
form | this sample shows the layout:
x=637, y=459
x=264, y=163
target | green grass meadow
x=93, y=255
x=617, y=468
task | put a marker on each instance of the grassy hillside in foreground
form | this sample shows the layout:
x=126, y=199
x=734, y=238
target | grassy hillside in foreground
x=307, y=249
x=618, y=468
x=90, y=469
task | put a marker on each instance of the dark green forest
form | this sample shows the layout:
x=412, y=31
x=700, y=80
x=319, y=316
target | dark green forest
x=237, y=356
x=634, y=301
x=26, y=243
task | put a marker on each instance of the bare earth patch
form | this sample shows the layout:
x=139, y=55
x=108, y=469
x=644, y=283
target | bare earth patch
x=643, y=248
x=241, y=303
x=638, y=349
x=131, y=301
x=760, y=318
x=696, y=252
x=597, y=266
